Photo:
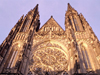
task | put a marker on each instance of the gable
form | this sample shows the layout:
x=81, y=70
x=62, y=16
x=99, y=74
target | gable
x=51, y=26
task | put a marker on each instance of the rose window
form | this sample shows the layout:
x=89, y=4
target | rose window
x=49, y=59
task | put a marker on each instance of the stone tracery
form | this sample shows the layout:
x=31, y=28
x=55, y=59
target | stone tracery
x=49, y=57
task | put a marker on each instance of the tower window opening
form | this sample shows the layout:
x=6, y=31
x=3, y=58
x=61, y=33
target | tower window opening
x=25, y=26
x=70, y=22
x=27, y=22
x=85, y=57
x=13, y=58
x=76, y=24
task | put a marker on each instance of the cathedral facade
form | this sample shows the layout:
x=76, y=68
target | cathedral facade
x=50, y=50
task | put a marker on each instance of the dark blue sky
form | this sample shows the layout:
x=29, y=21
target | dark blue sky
x=12, y=10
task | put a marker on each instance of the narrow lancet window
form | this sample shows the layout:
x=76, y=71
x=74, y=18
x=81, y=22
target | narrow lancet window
x=25, y=26
x=14, y=56
x=85, y=57
x=70, y=22
x=76, y=24
x=27, y=22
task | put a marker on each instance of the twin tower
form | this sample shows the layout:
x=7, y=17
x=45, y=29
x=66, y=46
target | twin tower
x=50, y=50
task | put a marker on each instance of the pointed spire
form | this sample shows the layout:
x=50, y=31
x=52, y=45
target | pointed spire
x=21, y=18
x=36, y=8
x=69, y=7
x=33, y=10
x=37, y=5
x=51, y=16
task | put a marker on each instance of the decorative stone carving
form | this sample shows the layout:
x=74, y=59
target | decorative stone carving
x=51, y=27
x=50, y=50
x=49, y=57
x=21, y=36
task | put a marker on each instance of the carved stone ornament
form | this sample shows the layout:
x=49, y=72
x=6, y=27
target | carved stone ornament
x=49, y=58
x=51, y=27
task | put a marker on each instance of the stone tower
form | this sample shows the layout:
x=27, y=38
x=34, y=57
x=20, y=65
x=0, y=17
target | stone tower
x=50, y=50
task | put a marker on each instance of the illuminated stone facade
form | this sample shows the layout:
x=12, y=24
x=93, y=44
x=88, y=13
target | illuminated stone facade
x=50, y=50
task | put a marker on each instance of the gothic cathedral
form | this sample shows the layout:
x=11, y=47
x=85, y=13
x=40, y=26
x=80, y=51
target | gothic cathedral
x=50, y=50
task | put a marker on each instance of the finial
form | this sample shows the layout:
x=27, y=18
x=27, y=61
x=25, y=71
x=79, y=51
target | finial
x=68, y=3
x=51, y=16
x=37, y=5
x=69, y=6
x=81, y=14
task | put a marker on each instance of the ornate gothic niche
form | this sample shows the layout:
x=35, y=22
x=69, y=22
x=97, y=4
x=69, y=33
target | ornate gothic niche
x=49, y=56
x=15, y=55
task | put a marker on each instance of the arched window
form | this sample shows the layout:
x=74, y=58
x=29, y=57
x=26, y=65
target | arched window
x=14, y=56
x=76, y=24
x=25, y=25
x=86, y=60
x=70, y=22
x=27, y=22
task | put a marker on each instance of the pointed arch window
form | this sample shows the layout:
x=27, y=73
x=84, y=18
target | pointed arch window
x=14, y=56
x=85, y=57
x=76, y=24
x=11, y=63
x=70, y=22
x=25, y=25
x=25, y=29
x=27, y=22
